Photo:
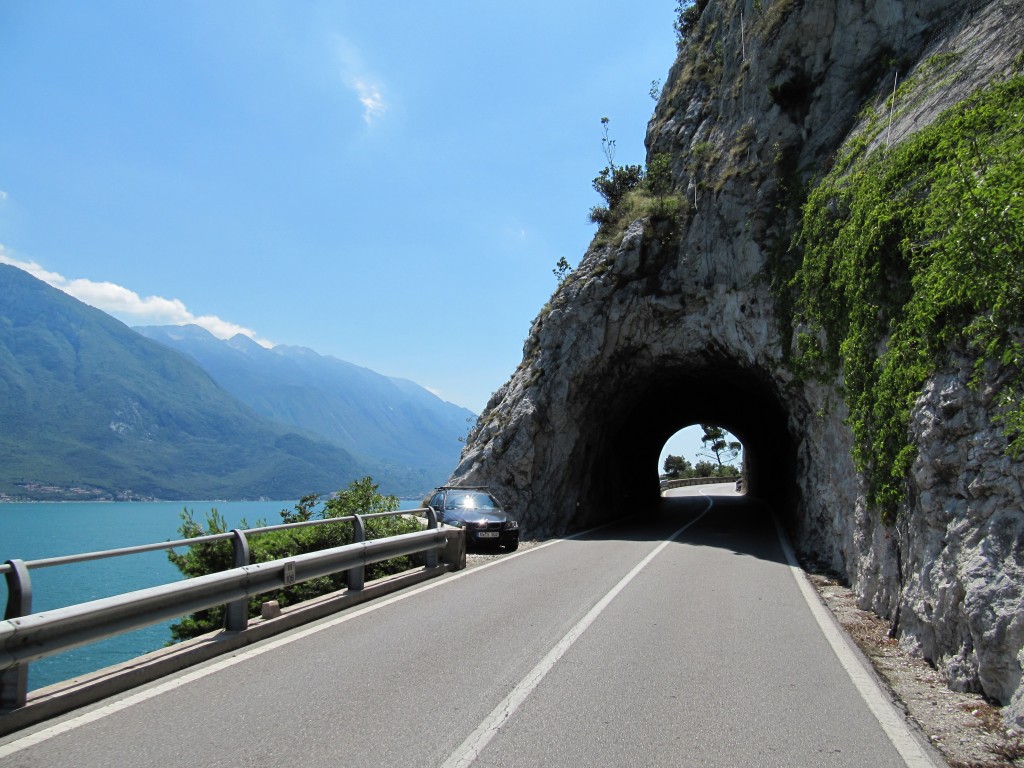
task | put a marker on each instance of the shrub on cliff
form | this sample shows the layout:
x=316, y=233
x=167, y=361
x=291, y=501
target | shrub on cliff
x=687, y=15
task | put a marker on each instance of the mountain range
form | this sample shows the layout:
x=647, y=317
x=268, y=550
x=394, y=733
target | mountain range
x=91, y=409
x=379, y=419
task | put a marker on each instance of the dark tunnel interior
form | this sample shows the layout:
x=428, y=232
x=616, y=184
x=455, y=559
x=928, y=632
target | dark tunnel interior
x=633, y=424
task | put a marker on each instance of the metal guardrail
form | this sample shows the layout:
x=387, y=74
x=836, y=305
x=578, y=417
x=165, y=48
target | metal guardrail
x=26, y=637
x=685, y=481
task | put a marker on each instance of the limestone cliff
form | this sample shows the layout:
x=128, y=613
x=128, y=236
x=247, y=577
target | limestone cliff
x=681, y=315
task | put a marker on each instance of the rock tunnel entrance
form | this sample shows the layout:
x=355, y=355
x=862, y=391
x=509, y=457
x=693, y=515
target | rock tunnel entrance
x=629, y=424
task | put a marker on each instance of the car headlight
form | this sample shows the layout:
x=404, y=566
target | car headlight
x=511, y=525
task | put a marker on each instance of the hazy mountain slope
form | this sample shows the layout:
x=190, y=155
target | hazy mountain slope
x=87, y=403
x=393, y=421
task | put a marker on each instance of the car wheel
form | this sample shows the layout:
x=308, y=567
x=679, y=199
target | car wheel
x=512, y=547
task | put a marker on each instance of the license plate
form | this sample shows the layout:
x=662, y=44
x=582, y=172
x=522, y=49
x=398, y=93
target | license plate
x=487, y=535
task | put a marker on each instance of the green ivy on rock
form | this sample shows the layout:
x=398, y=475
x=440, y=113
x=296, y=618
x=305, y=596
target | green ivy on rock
x=908, y=253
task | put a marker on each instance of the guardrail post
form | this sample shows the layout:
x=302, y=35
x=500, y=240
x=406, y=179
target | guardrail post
x=14, y=681
x=356, y=577
x=236, y=617
x=430, y=558
x=455, y=548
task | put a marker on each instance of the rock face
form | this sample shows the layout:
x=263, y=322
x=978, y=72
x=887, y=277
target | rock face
x=963, y=597
x=675, y=320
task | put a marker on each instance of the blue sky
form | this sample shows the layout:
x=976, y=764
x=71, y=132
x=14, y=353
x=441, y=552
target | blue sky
x=388, y=183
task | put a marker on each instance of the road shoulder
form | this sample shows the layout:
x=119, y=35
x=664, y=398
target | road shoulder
x=968, y=731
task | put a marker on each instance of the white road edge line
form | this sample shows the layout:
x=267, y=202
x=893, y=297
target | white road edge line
x=467, y=752
x=892, y=722
x=47, y=733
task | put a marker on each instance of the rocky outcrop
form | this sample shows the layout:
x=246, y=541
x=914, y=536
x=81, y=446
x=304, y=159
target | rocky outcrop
x=677, y=319
x=962, y=599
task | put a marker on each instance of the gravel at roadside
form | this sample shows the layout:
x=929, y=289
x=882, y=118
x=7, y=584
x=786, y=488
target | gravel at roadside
x=966, y=729
x=479, y=557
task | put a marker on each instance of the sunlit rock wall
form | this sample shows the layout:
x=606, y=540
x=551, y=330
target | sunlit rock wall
x=749, y=118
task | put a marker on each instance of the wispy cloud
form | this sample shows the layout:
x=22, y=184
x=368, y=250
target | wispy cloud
x=371, y=99
x=128, y=306
x=356, y=77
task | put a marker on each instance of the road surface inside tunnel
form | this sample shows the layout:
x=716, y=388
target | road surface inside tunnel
x=677, y=638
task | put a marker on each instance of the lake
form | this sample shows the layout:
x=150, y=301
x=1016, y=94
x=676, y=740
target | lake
x=36, y=530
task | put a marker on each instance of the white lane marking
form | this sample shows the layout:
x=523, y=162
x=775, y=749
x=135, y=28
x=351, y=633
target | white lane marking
x=47, y=733
x=470, y=749
x=895, y=727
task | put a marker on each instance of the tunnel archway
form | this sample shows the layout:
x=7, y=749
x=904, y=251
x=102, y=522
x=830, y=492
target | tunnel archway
x=630, y=423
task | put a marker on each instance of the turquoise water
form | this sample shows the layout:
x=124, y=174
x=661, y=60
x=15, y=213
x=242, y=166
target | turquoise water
x=37, y=530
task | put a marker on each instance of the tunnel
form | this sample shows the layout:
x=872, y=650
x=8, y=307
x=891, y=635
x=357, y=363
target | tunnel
x=632, y=417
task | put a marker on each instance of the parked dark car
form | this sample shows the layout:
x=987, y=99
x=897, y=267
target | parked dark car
x=476, y=510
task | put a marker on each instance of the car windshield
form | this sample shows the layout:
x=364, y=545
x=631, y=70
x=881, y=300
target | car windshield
x=469, y=501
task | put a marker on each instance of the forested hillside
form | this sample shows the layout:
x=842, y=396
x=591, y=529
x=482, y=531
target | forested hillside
x=409, y=432
x=90, y=409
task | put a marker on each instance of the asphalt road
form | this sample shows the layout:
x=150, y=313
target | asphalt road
x=677, y=639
